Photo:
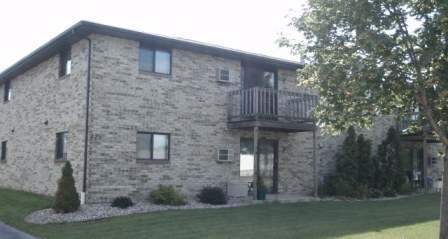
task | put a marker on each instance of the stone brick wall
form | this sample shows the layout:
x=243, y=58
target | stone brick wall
x=189, y=104
x=39, y=95
x=329, y=145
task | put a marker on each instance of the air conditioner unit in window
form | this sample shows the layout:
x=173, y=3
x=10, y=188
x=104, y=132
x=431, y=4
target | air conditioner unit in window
x=226, y=155
x=225, y=75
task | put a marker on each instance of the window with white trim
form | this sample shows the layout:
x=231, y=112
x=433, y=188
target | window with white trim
x=153, y=146
x=154, y=60
x=61, y=145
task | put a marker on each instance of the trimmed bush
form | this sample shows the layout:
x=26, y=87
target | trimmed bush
x=389, y=192
x=212, y=195
x=122, y=202
x=362, y=191
x=375, y=193
x=66, y=197
x=166, y=195
x=407, y=189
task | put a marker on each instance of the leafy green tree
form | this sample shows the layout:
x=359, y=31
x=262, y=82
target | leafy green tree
x=396, y=156
x=365, y=163
x=66, y=197
x=390, y=154
x=346, y=175
x=385, y=171
x=370, y=58
x=348, y=166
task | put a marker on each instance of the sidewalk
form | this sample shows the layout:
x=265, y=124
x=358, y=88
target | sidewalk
x=7, y=232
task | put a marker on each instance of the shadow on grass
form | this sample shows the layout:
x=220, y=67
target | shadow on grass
x=299, y=220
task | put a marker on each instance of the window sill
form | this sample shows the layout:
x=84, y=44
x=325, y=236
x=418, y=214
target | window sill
x=61, y=160
x=150, y=73
x=6, y=101
x=225, y=161
x=3, y=161
x=152, y=161
x=64, y=77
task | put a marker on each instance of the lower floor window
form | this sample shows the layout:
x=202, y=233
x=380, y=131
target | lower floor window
x=61, y=145
x=3, y=150
x=153, y=146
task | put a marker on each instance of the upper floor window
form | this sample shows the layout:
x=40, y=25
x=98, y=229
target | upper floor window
x=154, y=60
x=61, y=145
x=4, y=149
x=153, y=146
x=65, y=64
x=7, y=92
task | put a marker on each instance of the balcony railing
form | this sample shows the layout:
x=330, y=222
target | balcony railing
x=270, y=104
x=404, y=124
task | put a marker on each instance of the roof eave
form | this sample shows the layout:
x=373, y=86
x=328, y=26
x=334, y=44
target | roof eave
x=84, y=28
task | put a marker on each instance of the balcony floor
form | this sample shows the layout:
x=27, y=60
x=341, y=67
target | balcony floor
x=272, y=125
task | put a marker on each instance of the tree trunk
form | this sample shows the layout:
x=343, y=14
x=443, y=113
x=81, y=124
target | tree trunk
x=444, y=200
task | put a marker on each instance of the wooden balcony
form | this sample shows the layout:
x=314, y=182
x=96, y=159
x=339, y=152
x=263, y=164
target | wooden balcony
x=404, y=125
x=271, y=109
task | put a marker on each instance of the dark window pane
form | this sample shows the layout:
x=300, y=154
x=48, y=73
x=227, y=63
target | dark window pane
x=146, y=59
x=268, y=80
x=143, y=146
x=61, y=145
x=4, y=149
x=65, y=63
x=163, y=62
x=7, y=91
x=161, y=143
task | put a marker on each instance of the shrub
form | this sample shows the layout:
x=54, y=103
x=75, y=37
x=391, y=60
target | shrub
x=361, y=191
x=389, y=192
x=66, y=197
x=344, y=189
x=122, y=202
x=166, y=195
x=407, y=189
x=329, y=185
x=375, y=193
x=212, y=195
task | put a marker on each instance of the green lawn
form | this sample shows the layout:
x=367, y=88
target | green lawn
x=406, y=218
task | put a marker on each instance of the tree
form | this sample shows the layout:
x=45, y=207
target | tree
x=390, y=155
x=346, y=175
x=396, y=156
x=370, y=58
x=66, y=197
x=365, y=163
x=348, y=166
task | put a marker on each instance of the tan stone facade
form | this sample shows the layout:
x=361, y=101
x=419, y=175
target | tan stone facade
x=189, y=104
x=43, y=104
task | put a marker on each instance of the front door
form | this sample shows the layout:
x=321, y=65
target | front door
x=266, y=79
x=267, y=162
x=413, y=159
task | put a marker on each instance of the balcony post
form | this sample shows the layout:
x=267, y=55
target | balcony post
x=255, y=180
x=315, y=160
x=425, y=162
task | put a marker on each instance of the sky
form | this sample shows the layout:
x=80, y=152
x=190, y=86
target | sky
x=248, y=25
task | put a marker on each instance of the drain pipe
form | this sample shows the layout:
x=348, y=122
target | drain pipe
x=86, y=139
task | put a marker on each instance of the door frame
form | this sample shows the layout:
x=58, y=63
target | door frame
x=275, y=166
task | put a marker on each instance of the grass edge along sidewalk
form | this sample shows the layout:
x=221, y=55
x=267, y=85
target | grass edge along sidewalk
x=415, y=217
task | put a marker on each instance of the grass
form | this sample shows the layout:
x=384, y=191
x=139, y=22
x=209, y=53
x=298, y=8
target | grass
x=415, y=217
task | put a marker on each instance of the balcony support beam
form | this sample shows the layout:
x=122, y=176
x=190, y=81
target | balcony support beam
x=316, y=185
x=256, y=168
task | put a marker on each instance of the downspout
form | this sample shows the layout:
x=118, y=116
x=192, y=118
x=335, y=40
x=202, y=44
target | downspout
x=86, y=136
x=316, y=185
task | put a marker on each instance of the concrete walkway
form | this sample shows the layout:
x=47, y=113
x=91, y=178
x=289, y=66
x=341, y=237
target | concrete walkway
x=290, y=198
x=7, y=232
